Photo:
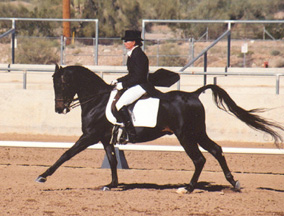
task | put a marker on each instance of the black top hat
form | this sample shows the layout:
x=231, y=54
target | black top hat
x=132, y=35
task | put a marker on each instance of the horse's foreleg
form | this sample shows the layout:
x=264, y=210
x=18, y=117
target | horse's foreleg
x=217, y=152
x=110, y=152
x=79, y=146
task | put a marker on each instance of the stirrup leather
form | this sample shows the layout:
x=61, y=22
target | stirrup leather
x=119, y=135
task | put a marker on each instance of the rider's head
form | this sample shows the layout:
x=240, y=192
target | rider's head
x=132, y=38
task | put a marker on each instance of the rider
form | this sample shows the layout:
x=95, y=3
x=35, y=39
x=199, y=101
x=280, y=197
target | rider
x=135, y=83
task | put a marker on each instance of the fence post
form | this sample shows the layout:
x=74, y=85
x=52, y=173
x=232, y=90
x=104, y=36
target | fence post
x=205, y=68
x=124, y=55
x=97, y=43
x=61, y=49
x=95, y=51
x=24, y=79
x=229, y=49
x=158, y=53
x=143, y=34
x=207, y=34
x=277, y=83
x=192, y=49
x=215, y=80
x=64, y=47
x=13, y=40
x=178, y=85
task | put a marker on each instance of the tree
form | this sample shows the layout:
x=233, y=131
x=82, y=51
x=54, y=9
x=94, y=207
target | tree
x=114, y=17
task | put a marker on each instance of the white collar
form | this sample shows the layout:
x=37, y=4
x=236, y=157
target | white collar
x=130, y=51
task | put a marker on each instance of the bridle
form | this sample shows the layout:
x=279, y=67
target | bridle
x=70, y=104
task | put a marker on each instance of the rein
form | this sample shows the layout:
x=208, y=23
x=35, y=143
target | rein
x=75, y=102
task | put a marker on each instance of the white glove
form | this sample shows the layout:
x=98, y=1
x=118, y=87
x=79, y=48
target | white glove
x=113, y=82
x=119, y=86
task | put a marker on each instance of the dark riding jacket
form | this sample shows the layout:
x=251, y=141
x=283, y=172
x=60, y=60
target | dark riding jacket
x=138, y=72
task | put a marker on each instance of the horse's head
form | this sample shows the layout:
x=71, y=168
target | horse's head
x=63, y=88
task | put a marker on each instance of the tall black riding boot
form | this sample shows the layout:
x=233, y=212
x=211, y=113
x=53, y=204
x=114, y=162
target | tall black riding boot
x=126, y=119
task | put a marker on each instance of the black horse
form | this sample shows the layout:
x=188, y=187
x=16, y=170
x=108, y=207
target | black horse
x=182, y=115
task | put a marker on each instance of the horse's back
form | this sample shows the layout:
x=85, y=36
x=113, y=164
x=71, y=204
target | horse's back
x=181, y=108
x=182, y=99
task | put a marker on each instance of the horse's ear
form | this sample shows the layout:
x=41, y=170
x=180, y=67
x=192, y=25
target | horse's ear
x=56, y=68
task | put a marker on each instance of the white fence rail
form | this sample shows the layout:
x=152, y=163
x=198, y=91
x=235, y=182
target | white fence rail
x=137, y=147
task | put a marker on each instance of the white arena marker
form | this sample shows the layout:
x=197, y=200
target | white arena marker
x=134, y=147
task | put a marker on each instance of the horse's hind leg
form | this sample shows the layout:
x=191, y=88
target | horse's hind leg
x=217, y=152
x=191, y=148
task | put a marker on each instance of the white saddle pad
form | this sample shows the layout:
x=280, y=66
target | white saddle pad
x=144, y=114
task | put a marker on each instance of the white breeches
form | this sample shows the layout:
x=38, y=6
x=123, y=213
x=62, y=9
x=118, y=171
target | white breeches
x=129, y=96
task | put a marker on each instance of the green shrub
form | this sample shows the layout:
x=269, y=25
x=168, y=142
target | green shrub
x=275, y=52
x=173, y=59
x=39, y=51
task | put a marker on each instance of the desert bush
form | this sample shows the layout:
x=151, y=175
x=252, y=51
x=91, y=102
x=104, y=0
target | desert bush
x=37, y=52
x=174, y=58
x=279, y=62
x=275, y=52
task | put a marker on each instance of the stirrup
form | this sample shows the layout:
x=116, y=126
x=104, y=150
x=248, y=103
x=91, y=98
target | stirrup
x=123, y=137
x=131, y=135
x=119, y=135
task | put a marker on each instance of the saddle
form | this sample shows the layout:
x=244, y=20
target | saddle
x=143, y=112
x=119, y=134
x=129, y=107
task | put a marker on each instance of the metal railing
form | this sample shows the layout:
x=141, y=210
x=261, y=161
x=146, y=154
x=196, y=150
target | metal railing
x=96, y=21
x=50, y=68
x=12, y=32
x=228, y=22
x=204, y=52
x=144, y=22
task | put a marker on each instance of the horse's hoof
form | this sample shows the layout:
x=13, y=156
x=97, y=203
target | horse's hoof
x=237, y=186
x=41, y=179
x=189, y=188
x=105, y=188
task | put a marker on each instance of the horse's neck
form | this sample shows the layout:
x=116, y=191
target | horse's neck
x=87, y=86
x=96, y=101
x=86, y=93
x=91, y=88
x=93, y=95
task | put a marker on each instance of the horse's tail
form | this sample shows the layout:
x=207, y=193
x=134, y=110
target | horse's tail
x=226, y=103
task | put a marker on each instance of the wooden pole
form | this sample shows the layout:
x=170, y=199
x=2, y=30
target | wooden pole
x=66, y=25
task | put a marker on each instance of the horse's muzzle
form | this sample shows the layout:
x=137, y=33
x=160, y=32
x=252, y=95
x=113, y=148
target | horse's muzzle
x=61, y=107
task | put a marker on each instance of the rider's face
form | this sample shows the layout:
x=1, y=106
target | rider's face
x=129, y=44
